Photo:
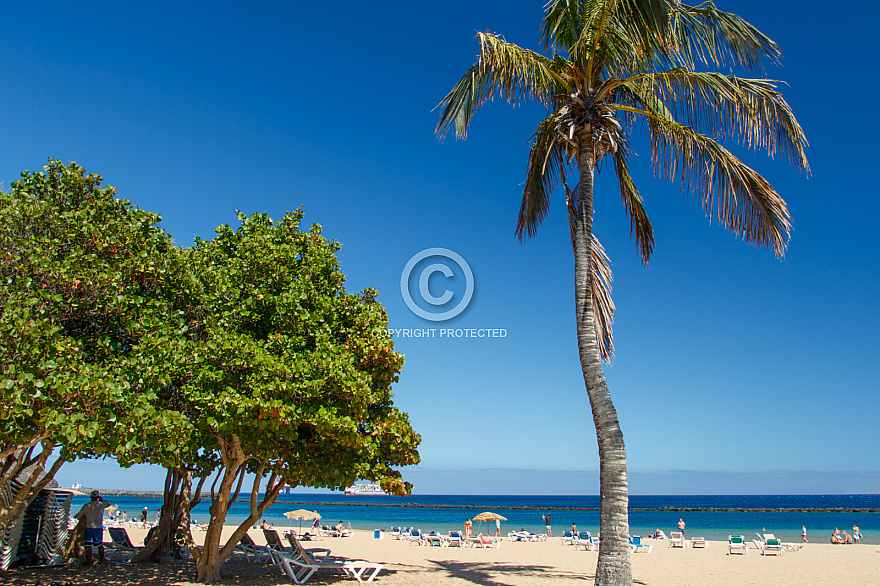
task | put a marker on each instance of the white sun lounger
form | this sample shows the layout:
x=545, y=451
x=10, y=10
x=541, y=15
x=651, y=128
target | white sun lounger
x=676, y=539
x=300, y=570
x=737, y=544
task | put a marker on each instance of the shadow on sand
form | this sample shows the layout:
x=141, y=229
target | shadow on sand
x=493, y=574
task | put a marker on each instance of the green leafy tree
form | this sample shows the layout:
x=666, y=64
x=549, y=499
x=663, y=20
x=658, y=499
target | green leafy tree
x=82, y=276
x=611, y=68
x=285, y=378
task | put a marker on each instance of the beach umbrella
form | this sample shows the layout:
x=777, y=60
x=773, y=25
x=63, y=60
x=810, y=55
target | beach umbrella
x=488, y=516
x=302, y=514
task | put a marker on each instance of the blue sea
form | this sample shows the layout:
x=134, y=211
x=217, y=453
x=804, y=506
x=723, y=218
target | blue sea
x=446, y=512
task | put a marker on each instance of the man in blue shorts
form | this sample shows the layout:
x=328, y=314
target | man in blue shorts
x=93, y=514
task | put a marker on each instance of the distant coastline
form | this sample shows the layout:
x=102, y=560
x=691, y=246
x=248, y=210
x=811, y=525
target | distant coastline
x=360, y=503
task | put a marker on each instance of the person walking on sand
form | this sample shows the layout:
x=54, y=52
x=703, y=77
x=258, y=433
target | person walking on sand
x=143, y=518
x=468, y=526
x=857, y=534
x=681, y=526
x=92, y=513
x=804, y=533
x=497, y=527
x=547, y=522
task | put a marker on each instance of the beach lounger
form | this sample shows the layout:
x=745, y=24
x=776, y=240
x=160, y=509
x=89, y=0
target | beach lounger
x=484, y=542
x=772, y=547
x=585, y=540
x=786, y=546
x=567, y=538
x=676, y=539
x=414, y=537
x=455, y=539
x=300, y=570
x=250, y=551
x=319, y=553
x=273, y=541
x=301, y=563
x=297, y=570
x=394, y=533
x=637, y=544
x=121, y=546
x=434, y=540
x=697, y=542
x=737, y=544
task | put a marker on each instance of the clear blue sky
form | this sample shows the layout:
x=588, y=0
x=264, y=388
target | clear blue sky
x=728, y=361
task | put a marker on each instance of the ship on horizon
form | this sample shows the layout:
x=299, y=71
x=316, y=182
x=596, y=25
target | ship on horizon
x=365, y=489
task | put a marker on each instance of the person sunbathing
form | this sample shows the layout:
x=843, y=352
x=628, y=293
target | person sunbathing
x=845, y=538
x=836, y=538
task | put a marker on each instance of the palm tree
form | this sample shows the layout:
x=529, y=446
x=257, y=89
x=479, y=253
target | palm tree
x=610, y=68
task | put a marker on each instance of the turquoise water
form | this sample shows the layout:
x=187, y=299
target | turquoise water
x=713, y=525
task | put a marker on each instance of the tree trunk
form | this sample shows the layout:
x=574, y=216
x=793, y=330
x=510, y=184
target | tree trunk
x=75, y=547
x=174, y=505
x=613, y=567
x=208, y=565
x=273, y=488
x=18, y=462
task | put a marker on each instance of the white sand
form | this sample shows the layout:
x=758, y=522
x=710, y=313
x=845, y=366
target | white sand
x=514, y=564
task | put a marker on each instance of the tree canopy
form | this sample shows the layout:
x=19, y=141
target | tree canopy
x=243, y=354
x=83, y=274
x=279, y=374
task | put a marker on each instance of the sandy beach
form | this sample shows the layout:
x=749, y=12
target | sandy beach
x=514, y=564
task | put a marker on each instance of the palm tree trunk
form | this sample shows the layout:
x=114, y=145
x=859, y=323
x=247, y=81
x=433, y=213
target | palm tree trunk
x=613, y=567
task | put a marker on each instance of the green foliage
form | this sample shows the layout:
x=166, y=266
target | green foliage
x=114, y=342
x=83, y=276
x=282, y=358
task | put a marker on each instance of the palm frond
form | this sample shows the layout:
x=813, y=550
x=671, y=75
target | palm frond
x=750, y=111
x=649, y=19
x=600, y=281
x=639, y=224
x=595, y=32
x=564, y=22
x=546, y=167
x=729, y=190
x=603, y=304
x=502, y=68
x=710, y=36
